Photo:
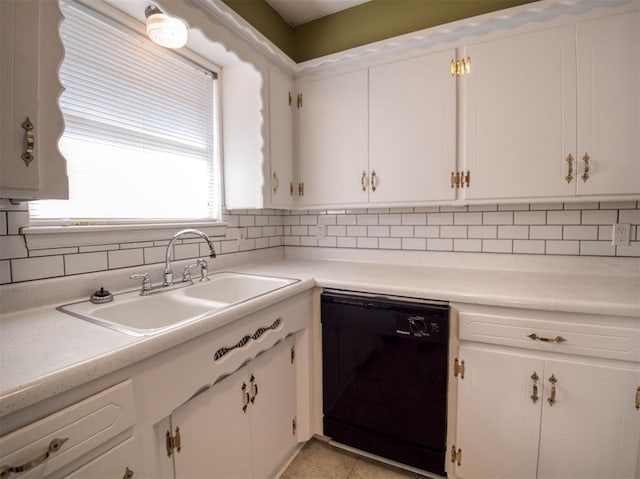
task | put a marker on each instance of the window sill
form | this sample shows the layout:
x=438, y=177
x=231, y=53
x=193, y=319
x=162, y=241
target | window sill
x=47, y=237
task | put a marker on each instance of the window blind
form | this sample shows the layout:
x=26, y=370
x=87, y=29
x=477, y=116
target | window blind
x=139, y=135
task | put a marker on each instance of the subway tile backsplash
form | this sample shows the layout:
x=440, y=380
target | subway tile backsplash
x=575, y=229
x=536, y=229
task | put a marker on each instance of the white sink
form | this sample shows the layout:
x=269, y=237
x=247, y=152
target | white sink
x=139, y=315
x=235, y=287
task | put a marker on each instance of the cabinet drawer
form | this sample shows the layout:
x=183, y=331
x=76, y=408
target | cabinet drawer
x=603, y=337
x=77, y=429
x=113, y=464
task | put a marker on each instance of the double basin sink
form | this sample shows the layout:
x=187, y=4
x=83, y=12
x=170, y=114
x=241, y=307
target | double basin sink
x=139, y=315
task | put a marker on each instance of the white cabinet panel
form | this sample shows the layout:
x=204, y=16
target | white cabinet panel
x=273, y=409
x=608, y=52
x=498, y=424
x=30, y=53
x=214, y=431
x=519, y=110
x=281, y=136
x=412, y=130
x=593, y=428
x=333, y=139
x=122, y=461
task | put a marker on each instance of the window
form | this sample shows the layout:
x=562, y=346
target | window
x=140, y=135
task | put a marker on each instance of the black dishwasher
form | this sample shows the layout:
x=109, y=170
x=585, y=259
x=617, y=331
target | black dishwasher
x=385, y=376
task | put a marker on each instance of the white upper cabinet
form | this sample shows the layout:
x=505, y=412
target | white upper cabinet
x=31, y=166
x=518, y=116
x=412, y=130
x=554, y=113
x=333, y=129
x=281, y=109
x=609, y=105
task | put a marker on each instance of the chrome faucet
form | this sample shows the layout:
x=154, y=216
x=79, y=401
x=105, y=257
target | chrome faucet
x=168, y=272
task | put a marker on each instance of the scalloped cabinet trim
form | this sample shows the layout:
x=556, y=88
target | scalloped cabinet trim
x=537, y=12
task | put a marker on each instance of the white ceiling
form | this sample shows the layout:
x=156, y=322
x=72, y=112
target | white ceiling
x=297, y=12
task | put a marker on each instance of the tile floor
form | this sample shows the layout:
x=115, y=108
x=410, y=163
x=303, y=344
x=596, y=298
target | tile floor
x=319, y=460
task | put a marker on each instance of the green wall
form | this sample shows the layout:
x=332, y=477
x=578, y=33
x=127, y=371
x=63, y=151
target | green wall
x=359, y=25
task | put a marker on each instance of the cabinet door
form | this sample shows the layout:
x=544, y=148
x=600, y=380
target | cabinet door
x=498, y=423
x=113, y=464
x=333, y=139
x=593, y=428
x=519, y=111
x=412, y=129
x=608, y=52
x=215, y=432
x=273, y=409
x=30, y=54
x=281, y=136
x=18, y=92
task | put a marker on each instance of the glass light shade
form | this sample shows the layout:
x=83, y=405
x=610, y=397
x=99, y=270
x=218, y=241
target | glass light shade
x=166, y=31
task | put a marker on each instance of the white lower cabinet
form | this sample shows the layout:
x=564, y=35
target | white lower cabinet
x=95, y=434
x=535, y=413
x=243, y=426
x=122, y=461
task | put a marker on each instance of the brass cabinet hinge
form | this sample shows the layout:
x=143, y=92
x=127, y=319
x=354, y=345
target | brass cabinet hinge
x=299, y=100
x=460, y=68
x=291, y=188
x=173, y=441
x=289, y=93
x=638, y=398
x=458, y=368
x=460, y=179
x=293, y=354
x=301, y=189
x=456, y=455
x=294, y=426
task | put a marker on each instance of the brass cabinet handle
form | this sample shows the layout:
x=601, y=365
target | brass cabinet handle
x=587, y=167
x=557, y=339
x=363, y=180
x=569, y=176
x=275, y=182
x=638, y=398
x=254, y=389
x=534, y=395
x=29, y=141
x=246, y=397
x=552, y=398
x=291, y=188
x=128, y=474
x=374, y=181
x=54, y=446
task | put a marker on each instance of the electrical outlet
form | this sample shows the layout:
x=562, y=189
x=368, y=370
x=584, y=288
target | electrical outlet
x=321, y=231
x=620, y=234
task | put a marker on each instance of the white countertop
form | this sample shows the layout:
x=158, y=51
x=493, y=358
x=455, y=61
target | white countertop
x=44, y=352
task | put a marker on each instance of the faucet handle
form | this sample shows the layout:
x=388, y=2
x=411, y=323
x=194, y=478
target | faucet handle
x=146, y=282
x=186, y=275
x=204, y=272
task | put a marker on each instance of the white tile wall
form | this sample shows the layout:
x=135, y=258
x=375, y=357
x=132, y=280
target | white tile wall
x=540, y=229
x=246, y=230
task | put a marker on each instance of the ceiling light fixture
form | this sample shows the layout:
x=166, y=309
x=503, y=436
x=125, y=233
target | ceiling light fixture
x=165, y=30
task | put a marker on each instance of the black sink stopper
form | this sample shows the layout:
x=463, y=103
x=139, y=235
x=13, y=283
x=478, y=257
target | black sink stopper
x=101, y=296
